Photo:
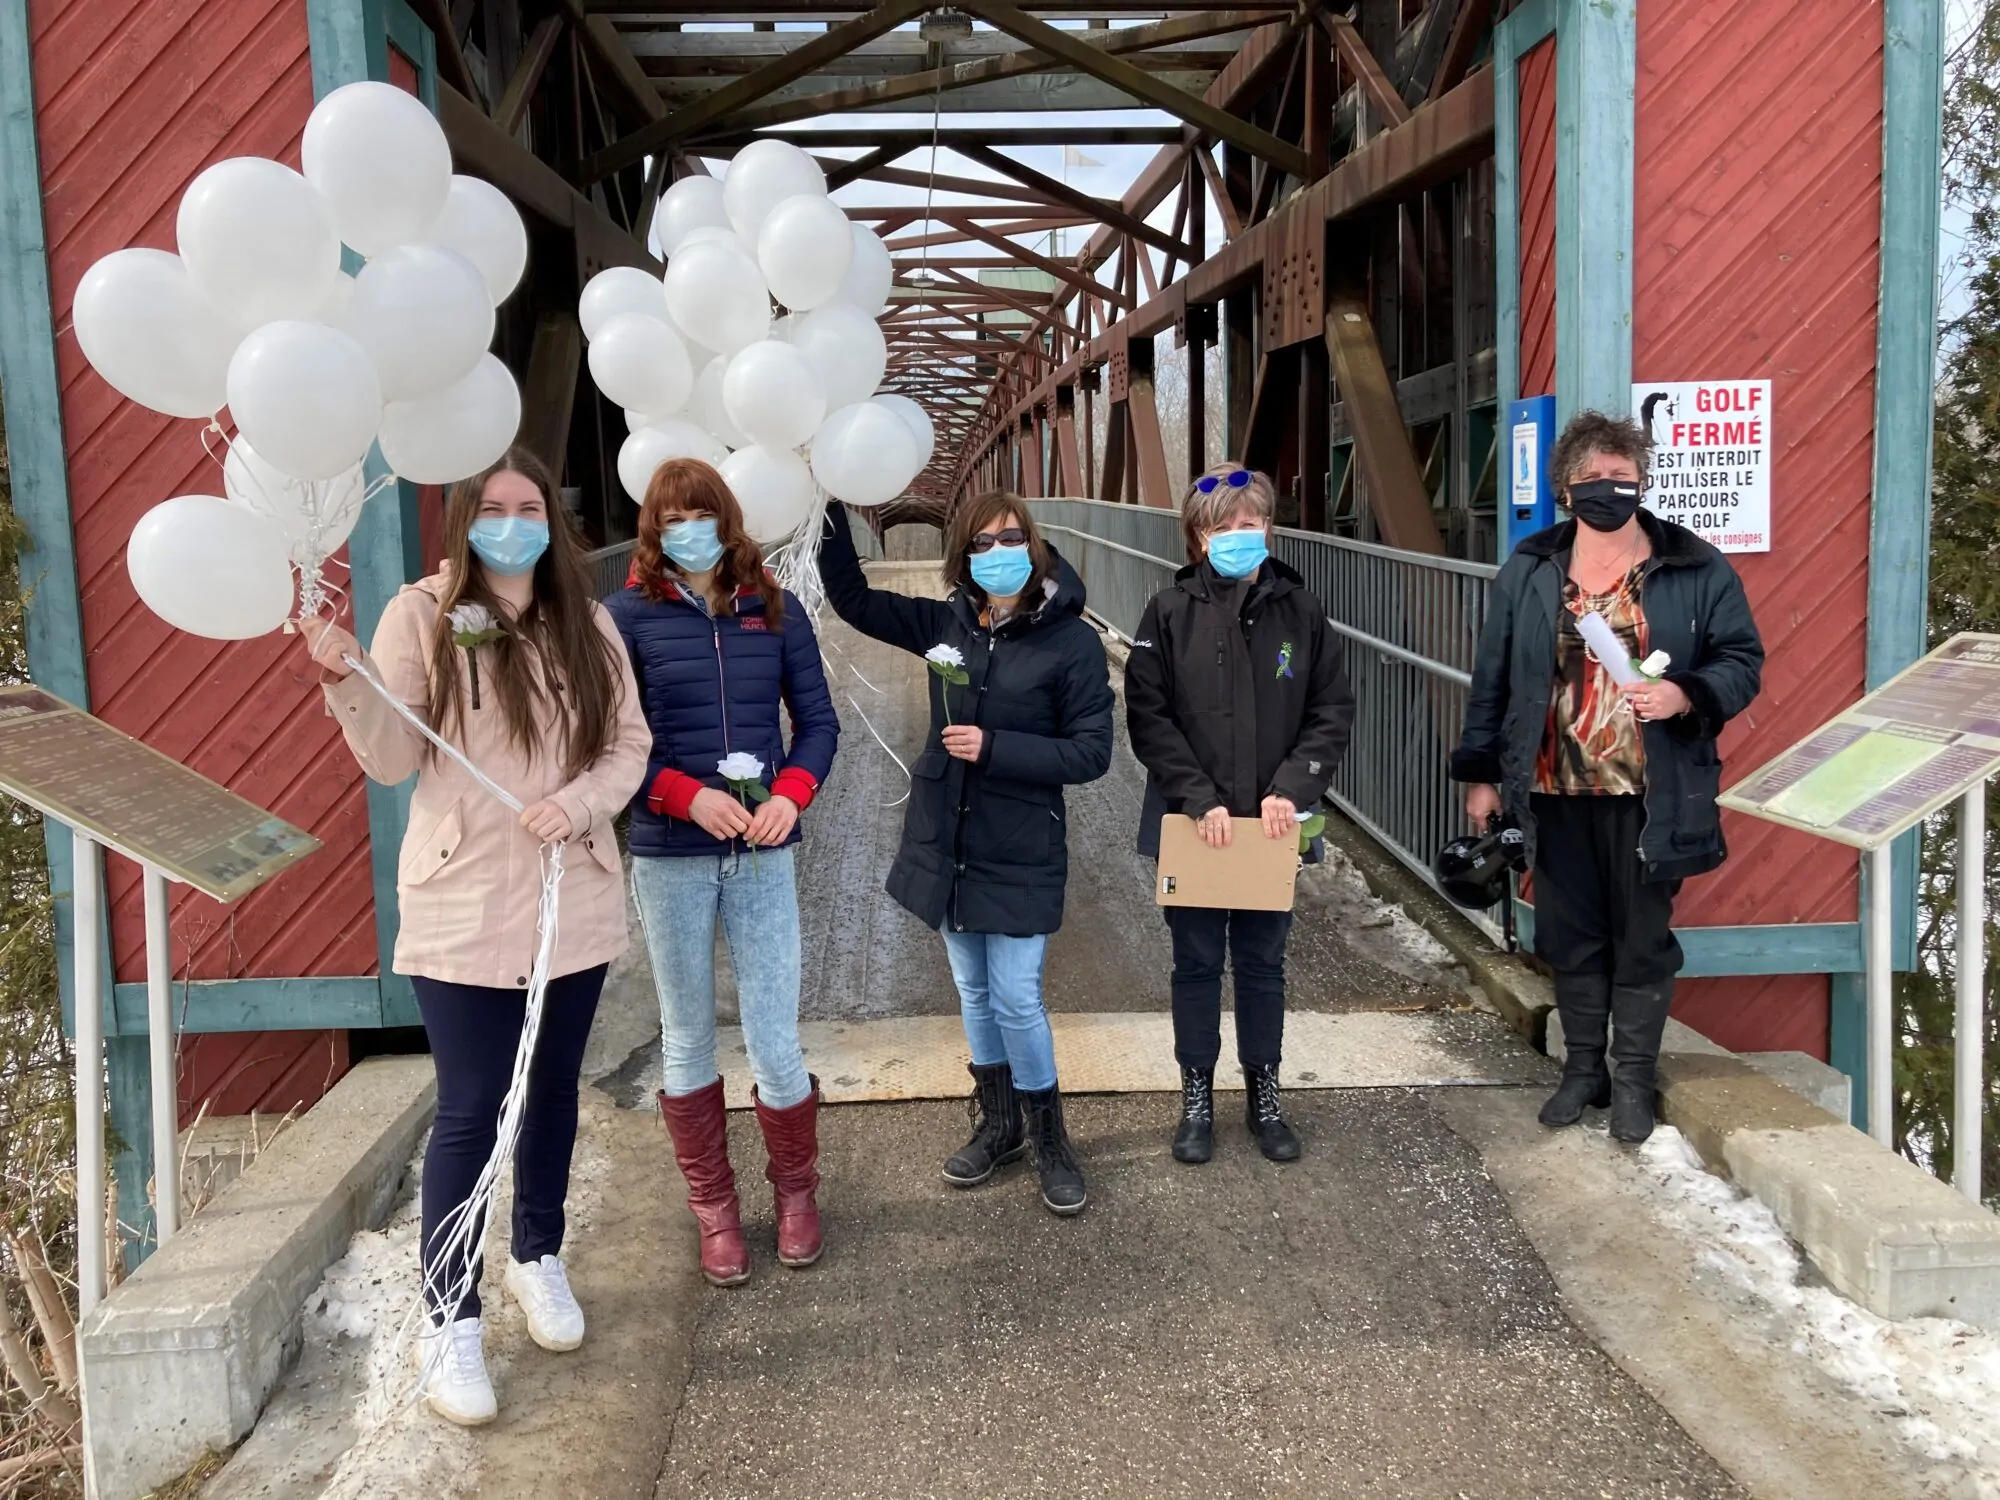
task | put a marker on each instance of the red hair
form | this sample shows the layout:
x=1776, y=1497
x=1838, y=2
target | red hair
x=689, y=485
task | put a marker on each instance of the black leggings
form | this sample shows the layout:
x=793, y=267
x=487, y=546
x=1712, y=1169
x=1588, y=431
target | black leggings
x=474, y=1032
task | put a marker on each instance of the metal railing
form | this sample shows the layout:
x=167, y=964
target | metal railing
x=1412, y=625
x=609, y=567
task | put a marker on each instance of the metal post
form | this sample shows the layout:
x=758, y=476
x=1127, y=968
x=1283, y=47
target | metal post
x=160, y=1043
x=1969, y=1036
x=86, y=901
x=1881, y=1000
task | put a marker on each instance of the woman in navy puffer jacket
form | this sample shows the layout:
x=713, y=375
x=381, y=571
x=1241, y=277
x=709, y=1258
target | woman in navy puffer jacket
x=721, y=655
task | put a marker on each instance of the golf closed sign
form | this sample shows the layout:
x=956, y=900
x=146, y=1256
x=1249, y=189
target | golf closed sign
x=1711, y=458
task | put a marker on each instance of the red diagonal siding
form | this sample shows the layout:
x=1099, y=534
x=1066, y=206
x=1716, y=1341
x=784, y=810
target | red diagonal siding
x=1756, y=254
x=1536, y=83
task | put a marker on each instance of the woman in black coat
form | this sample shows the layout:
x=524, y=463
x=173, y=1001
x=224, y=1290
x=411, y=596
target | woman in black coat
x=1615, y=789
x=1020, y=707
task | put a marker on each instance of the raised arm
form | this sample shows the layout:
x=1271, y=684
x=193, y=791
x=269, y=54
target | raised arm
x=896, y=619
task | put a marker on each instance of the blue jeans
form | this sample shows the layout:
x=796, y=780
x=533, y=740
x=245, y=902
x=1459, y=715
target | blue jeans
x=999, y=983
x=679, y=899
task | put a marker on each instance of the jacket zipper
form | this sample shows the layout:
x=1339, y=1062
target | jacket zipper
x=722, y=689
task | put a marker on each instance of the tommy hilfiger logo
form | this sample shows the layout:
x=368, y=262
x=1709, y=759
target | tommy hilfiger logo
x=751, y=622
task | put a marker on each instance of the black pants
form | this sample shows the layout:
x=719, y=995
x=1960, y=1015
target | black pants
x=1254, y=942
x=1594, y=914
x=474, y=1032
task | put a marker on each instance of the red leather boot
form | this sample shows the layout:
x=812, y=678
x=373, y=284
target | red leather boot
x=699, y=1126
x=791, y=1137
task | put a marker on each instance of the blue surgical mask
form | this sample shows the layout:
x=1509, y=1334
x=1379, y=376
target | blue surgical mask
x=1238, y=554
x=510, y=545
x=693, y=545
x=1002, y=571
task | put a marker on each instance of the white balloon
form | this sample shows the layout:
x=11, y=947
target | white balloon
x=649, y=447
x=870, y=273
x=640, y=363
x=257, y=241
x=690, y=204
x=772, y=395
x=457, y=432
x=846, y=349
x=764, y=174
x=316, y=517
x=716, y=234
x=616, y=290
x=211, y=568
x=333, y=311
x=481, y=223
x=716, y=293
x=306, y=397
x=804, y=249
x=152, y=336
x=707, y=406
x=423, y=315
x=918, y=420
x=774, y=488
x=864, y=454
x=380, y=160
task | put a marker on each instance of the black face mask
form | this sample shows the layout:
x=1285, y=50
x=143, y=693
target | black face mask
x=1604, y=504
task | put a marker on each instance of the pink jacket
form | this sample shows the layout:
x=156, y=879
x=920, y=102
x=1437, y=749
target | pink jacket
x=469, y=882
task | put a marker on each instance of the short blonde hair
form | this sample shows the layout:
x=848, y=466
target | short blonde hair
x=1201, y=514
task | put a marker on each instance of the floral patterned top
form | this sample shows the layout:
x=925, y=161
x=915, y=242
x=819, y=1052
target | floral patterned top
x=1593, y=745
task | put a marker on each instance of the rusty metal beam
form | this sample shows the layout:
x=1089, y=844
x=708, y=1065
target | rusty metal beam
x=1232, y=221
x=512, y=107
x=1055, y=268
x=1474, y=16
x=451, y=63
x=1100, y=209
x=1396, y=492
x=861, y=166
x=548, y=395
x=1367, y=70
x=1045, y=314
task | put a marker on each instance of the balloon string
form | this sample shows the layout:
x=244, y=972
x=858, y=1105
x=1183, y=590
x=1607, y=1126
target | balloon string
x=410, y=715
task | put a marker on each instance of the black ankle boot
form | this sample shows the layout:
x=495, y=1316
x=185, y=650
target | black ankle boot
x=1265, y=1116
x=1638, y=1021
x=1194, y=1142
x=1584, y=1003
x=1062, y=1178
x=998, y=1136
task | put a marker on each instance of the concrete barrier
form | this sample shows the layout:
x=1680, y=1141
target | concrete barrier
x=181, y=1358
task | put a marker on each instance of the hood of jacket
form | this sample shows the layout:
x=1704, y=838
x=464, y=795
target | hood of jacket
x=1063, y=594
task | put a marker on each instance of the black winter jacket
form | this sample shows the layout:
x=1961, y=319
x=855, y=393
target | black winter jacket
x=1695, y=611
x=984, y=847
x=1235, y=692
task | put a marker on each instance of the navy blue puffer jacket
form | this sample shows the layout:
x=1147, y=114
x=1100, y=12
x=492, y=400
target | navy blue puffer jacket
x=717, y=685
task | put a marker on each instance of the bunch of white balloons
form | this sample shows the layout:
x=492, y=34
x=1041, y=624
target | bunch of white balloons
x=705, y=370
x=315, y=366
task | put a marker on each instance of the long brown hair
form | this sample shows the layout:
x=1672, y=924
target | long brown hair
x=973, y=517
x=574, y=702
x=688, y=484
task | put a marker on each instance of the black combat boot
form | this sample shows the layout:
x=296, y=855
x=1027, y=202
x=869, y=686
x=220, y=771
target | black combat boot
x=1584, y=1003
x=1194, y=1142
x=997, y=1133
x=1638, y=1021
x=1062, y=1178
x=1265, y=1116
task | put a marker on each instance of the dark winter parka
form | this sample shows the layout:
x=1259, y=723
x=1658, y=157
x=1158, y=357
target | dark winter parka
x=717, y=684
x=1695, y=611
x=1235, y=691
x=984, y=845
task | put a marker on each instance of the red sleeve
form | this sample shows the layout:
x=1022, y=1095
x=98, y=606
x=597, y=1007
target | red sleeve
x=797, y=784
x=672, y=794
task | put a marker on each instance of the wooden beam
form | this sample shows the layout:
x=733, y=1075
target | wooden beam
x=512, y=107
x=1140, y=84
x=1396, y=492
x=683, y=123
x=1474, y=16
x=1366, y=69
x=603, y=42
x=1104, y=211
x=451, y=63
x=548, y=396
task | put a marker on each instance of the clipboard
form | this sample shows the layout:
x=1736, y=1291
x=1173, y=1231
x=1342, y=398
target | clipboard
x=1253, y=873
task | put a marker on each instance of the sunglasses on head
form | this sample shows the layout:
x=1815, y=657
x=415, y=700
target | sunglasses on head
x=986, y=541
x=1236, y=479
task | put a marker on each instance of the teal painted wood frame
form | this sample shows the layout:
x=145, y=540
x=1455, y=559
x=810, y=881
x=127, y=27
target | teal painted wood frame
x=331, y=1004
x=1727, y=952
x=1525, y=29
x=1597, y=59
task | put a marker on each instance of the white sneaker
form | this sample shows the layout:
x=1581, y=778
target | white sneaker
x=457, y=1387
x=542, y=1288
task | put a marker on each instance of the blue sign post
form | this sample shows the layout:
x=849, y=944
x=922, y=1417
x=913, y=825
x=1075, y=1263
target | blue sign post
x=1529, y=505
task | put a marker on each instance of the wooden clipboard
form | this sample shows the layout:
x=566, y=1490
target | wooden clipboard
x=1252, y=873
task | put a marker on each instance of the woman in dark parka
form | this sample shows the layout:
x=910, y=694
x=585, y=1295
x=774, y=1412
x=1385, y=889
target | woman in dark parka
x=1020, y=707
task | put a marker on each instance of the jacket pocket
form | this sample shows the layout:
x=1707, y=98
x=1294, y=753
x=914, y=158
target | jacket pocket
x=1012, y=828
x=424, y=857
x=602, y=845
x=926, y=822
x=1697, y=817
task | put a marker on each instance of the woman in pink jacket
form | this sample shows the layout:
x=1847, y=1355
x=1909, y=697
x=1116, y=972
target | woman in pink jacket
x=506, y=655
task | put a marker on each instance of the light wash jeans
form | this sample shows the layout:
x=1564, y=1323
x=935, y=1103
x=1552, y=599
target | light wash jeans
x=679, y=898
x=999, y=983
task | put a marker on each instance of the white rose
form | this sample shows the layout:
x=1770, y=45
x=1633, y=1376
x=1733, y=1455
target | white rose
x=741, y=766
x=1656, y=664
x=945, y=656
x=471, y=619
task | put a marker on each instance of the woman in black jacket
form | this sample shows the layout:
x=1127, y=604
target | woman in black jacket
x=1615, y=789
x=1020, y=707
x=1237, y=700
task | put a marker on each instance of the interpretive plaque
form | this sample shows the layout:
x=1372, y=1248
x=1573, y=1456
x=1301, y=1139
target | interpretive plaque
x=128, y=796
x=1914, y=744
